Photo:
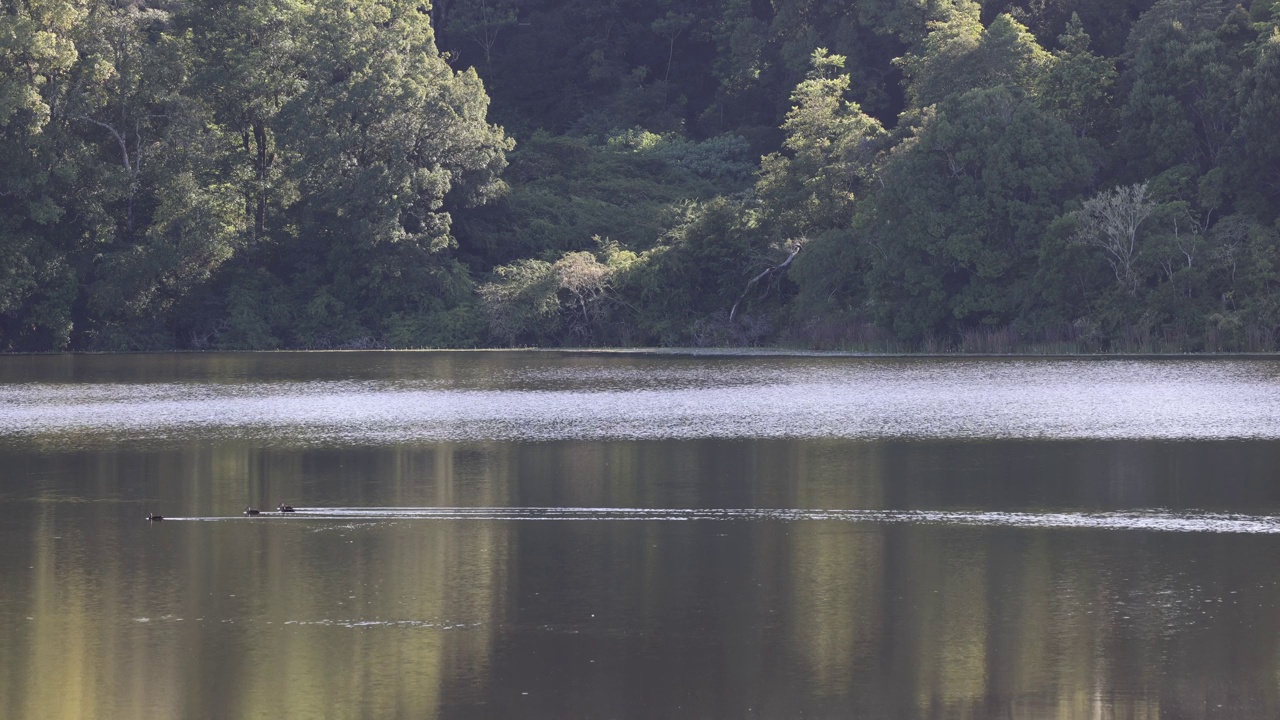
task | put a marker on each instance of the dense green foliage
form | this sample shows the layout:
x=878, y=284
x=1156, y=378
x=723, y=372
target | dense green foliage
x=248, y=174
x=886, y=174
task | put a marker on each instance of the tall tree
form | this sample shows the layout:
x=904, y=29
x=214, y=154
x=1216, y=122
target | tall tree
x=1080, y=85
x=830, y=155
x=957, y=229
x=246, y=65
x=170, y=226
x=386, y=139
x=38, y=284
x=1256, y=169
x=1180, y=107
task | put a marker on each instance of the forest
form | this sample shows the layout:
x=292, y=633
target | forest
x=867, y=175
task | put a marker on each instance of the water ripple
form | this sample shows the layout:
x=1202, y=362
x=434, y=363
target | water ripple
x=1151, y=520
x=801, y=398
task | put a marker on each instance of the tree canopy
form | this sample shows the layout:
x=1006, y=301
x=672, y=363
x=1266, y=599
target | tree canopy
x=887, y=174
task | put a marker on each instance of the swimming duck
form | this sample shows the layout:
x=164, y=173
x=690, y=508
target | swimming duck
x=153, y=517
x=285, y=508
x=251, y=511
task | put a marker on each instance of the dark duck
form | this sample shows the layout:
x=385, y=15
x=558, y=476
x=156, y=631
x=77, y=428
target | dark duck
x=251, y=511
x=285, y=508
x=152, y=517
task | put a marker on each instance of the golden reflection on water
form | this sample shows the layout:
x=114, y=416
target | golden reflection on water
x=104, y=616
x=246, y=619
x=836, y=609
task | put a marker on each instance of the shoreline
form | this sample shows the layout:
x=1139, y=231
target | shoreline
x=745, y=352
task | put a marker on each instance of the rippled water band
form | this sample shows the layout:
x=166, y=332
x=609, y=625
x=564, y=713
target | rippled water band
x=1156, y=520
x=536, y=399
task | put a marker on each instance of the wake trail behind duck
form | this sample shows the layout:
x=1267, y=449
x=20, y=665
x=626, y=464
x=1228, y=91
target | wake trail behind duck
x=1152, y=520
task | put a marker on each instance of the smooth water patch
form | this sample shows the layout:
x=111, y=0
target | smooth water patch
x=1152, y=520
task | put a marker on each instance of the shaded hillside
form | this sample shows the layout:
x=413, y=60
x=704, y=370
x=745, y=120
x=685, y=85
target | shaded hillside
x=887, y=174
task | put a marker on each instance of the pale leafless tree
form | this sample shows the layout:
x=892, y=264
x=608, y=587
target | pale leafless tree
x=586, y=279
x=1110, y=220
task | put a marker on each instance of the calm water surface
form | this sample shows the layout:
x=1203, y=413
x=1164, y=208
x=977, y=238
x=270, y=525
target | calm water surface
x=595, y=535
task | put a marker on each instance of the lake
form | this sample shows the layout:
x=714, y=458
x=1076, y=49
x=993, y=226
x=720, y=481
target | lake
x=638, y=535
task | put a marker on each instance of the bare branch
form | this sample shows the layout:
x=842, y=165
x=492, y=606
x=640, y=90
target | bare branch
x=124, y=146
x=775, y=270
